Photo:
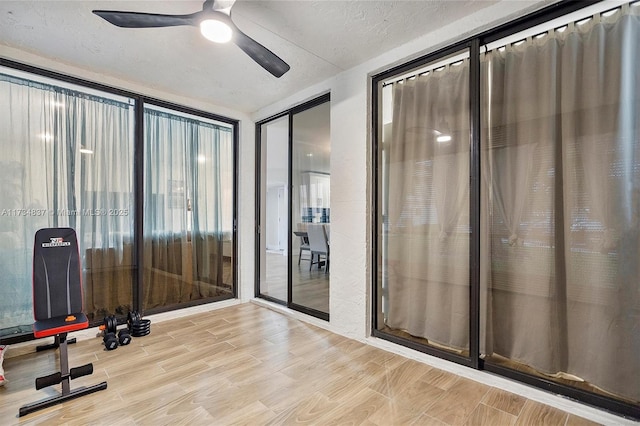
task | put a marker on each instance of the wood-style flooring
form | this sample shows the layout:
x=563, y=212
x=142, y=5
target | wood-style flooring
x=310, y=285
x=250, y=365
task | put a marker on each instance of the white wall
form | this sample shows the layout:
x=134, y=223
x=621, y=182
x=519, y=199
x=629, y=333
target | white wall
x=351, y=200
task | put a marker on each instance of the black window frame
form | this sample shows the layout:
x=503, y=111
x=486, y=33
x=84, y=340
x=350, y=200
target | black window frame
x=289, y=113
x=473, y=43
x=140, y=100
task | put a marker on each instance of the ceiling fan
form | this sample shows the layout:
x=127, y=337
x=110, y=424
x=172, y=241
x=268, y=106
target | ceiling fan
x=215, y=24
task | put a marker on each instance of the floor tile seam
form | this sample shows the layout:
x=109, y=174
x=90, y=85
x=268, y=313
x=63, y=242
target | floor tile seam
x=340, y=406
x=423, y=412
x=434, y=402
x=468, y=416
x=545, y=406
x=503, y=411
x=328, y=413
x=422, y=378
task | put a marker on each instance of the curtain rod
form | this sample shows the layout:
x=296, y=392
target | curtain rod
x=39, y=79
x=436, y=66
x=578, y=17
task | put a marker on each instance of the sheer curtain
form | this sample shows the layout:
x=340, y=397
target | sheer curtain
x=188, y=209
x=212, y=210
x=66, y=161
x=427, y=238
x=562, y=195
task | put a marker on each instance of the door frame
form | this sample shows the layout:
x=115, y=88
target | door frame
x=258, y=208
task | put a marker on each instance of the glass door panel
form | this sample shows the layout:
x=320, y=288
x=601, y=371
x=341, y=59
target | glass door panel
x=561, y=175
x=274, y=214
x=67, y=161
x=310, y=208
x=423, y=200
x=188, y=214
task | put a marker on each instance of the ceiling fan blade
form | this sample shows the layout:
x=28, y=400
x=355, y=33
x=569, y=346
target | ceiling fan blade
x=223, y=6
x=146, y=20
x=263, y=56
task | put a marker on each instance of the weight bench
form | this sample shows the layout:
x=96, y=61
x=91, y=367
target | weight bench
x=57, y=308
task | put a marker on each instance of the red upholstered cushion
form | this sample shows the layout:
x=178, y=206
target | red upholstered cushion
x=61, y=324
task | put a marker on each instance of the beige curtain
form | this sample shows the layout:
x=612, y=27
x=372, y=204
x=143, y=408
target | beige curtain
x=561, y=196
x=427, y=236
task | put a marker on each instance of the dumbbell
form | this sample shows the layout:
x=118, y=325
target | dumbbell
x=133, y=317
x=110, y=341
x=109, y=327
x=137, y=326
x=124, y=336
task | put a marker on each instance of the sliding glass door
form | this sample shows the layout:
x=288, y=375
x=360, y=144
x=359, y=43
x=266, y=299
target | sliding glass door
x=72, y=156
x=67, y=161
x=311, y=207
x=188, y=216
x=508, y=202
x=274, y=216
x=293, y=253
x=423, y=288
x=561, y=171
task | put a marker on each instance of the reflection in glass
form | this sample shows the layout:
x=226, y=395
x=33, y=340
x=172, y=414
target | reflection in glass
x=274, y=218
x=311, y=204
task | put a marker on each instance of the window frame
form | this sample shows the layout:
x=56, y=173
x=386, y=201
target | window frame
x=473, y=43
x=139, y=102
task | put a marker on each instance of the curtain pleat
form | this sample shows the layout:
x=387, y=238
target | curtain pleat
x=43, y=129
x=188, y=195
x=561, y=179
x=428, y=234
x=560, y=207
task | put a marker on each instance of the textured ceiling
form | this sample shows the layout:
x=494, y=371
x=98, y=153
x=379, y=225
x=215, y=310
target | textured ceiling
x=317, y=38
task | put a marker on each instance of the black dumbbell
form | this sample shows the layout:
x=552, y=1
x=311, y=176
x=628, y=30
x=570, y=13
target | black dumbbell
x=141, y=328
x=124, y=337
x=133, y=317
x=137, y=326
x=110, y=340
x=110, y=326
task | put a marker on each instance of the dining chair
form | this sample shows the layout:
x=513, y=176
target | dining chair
x=304, y=244
x=318, y=244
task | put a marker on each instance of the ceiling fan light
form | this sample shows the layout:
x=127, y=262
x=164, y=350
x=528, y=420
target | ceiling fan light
x=216, y=31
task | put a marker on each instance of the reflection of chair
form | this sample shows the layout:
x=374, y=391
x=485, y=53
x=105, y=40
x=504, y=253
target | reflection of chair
x=57, y=307
x=318, y=244
x=304, y=244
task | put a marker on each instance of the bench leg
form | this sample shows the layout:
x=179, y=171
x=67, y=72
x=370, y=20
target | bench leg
x=64, y=377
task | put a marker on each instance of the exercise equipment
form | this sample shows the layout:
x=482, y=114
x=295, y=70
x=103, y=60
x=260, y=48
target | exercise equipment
x=141, y=328
x=3, y=350
x=124, y=337
x=110, y=341
x=58, y=309
x=137, y=326
x=132, y=318
x=54, y=345
x=111, y=337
